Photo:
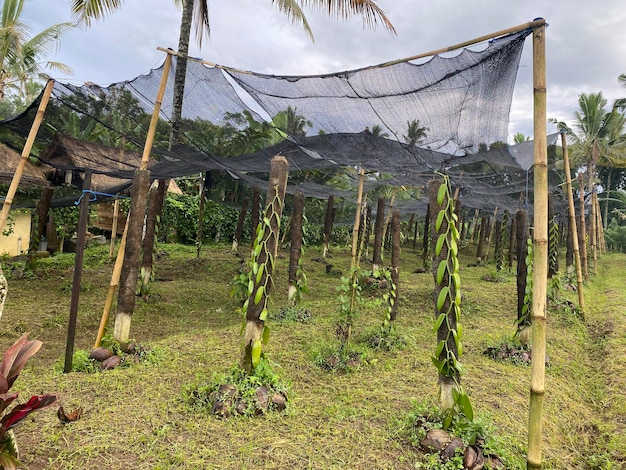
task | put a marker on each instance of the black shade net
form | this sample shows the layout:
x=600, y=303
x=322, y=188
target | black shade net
x=362, y=119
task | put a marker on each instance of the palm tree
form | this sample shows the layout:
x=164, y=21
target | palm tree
x=415, y=133
x=21, y=55
x=519, y=138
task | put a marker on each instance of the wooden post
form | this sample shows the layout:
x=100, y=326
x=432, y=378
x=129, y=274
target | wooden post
x=254, y=212
x=78, y=270
x=328, y=225
x=572, y=224
x=540, y=253
x=395, y=262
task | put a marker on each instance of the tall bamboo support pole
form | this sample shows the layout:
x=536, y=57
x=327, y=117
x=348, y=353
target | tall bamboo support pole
x=17, y=176
x=540, y=252
x=583, y=228
x=113, y=285
x=572, y=224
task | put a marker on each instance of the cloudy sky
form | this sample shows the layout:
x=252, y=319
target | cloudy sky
x=585, y=42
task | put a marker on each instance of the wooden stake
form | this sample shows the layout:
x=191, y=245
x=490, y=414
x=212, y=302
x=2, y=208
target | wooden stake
x=540, y=253
x=572, y=224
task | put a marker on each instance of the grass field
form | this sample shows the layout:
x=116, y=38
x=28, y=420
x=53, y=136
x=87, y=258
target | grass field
x=137, y=417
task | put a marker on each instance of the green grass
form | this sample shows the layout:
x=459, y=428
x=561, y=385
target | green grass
x=137, y=416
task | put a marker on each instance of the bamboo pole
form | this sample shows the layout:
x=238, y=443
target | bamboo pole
x=17, y=176
x=155, y=114
x=115, y=282
x=503, y=32
x=600, y=225
x=572, y=224
x=540, y=253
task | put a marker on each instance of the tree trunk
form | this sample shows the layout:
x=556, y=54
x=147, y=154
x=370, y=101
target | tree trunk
x=410, y=225
x=582, y=233
x=39, y=225
x=130, y=267
x=328, y=225
x=377, y=259
x=498, y=251
x=201, y=205
x=254, y=212
x=265, y=251
x=240, y=220
x=367, y=221
x=606, y=204
x=295, y=249
x=474, y=227
x=155, y=204
x=395, y=262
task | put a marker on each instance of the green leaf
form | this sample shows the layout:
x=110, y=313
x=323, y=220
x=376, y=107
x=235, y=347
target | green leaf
x=439, y=221
x=456, y=281
x=263, y=315
x=439, y=245
x=441, y=270
x=259, y=295
x=443, y=295
x=466, y=406
x=439, y=349
x=441, y=193
x=438, y=322
x=266, y=334
x=250, y=286
x=256, y=352
x=259, y=273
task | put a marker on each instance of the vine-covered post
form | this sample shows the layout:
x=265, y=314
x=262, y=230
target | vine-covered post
x=328, y=224
x=523, y=290
x=395, y=263
x=447, y=299
x=377, y=259
x=498, y=253
x=553, y=239
x=156, y=197
x=264, y=254
x=254, y=212
x=239, y=228
x=295, y=251
x=512, y=240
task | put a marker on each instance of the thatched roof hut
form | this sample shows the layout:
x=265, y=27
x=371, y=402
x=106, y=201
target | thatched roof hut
x=33, y=176
x=69, y=157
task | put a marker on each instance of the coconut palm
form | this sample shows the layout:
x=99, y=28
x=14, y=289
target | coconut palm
x=519, y=138
x=21, y=55
x=415, y=133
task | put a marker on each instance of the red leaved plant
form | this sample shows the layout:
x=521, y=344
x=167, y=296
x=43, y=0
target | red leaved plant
x=12, y=364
